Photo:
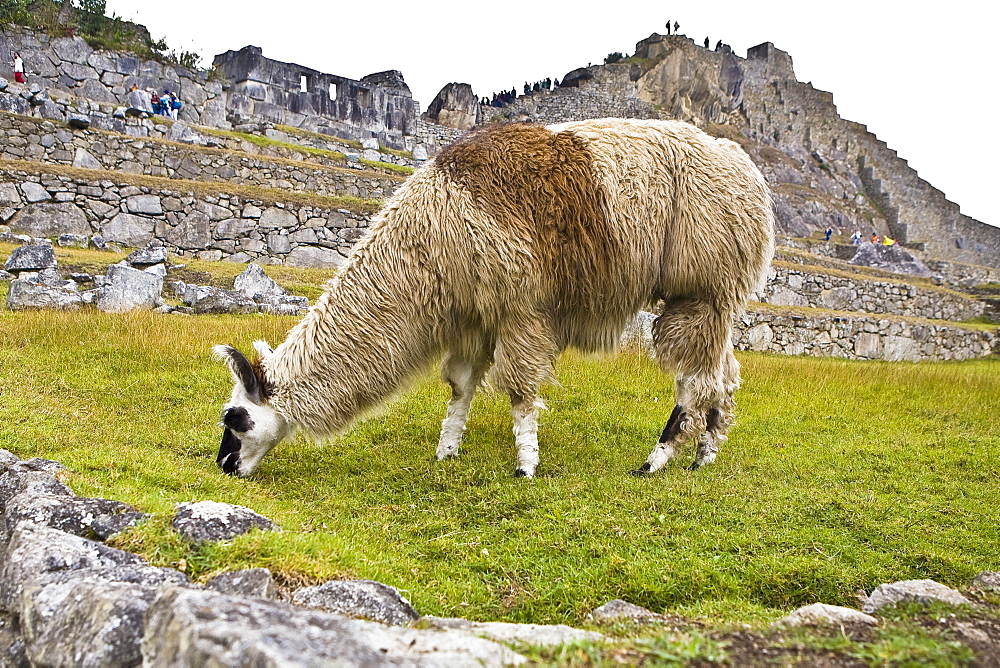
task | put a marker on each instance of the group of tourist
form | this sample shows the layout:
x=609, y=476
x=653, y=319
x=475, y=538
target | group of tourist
x=503, y=98
x=875, y=238
x=166, y=104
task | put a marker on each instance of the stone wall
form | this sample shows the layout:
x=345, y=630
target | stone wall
x=43, y=141
x=210, y=226
x=801, y=287
x=70, y=65
x=860, y=337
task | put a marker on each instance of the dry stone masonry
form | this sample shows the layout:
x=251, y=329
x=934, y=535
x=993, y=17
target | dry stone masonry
x=211, y=227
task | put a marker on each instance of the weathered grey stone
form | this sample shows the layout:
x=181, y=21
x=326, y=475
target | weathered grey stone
x=129, y=229
x=30, y=295
x=7, y=459
x=78, y=121
x=145, y=205
x=182, y=132
x=543, y=635
x=138, y=102
x=93, y=617
x=126, y=288
x=85, y=160
x=893, y=258
x=35, y=550
x=821, y=613
x=34, y=192
x=50, y=220
x=371, y=155
x=207, y=299
x=196, y=628
x=73, y=241
x=987, y=581
x=11, y=642
x=97, y=519
x=72, y=49
x=420, y=152
x=31, y=258
x=619, y=609
x=9, y=194
x=366, y=599
x=254, y=283
x=252, y=582
x=314, y=256
x=194, y=232
x=145, y=257
x=18, y=480
x=274, y=217
x=278, y=243
x=209, y=520
x=917, y=591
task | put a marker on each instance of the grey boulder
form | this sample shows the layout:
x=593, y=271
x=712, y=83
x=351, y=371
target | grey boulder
x=90, y=518
x=34, y=257
x=50, y=219
x=94, y=617
x=187, y=627
x=126, y=289
x=618, y=610
x=821, y=613
x=916, y=591
x=542, y=635
x=251, y=582
x=25, y=294
x=35, y=550
x=366, y=599
x=148, y=256
x=78, y=121
x=200, y=521
x=254, y=283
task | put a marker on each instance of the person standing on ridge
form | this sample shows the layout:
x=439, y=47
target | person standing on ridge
x=668, y=26
x=677, y=26
x=706, y=42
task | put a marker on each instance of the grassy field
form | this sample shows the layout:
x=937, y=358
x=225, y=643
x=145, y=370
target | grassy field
x=839, y=476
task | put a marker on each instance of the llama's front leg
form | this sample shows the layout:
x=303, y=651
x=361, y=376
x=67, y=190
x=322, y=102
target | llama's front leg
x=464, y=378
x=525, y=413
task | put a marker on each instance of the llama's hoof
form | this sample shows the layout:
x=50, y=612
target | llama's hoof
x=641, y=471
x=521, y=473
x=695, y=465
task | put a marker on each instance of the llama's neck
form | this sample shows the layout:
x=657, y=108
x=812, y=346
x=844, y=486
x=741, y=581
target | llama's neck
x=366, y=336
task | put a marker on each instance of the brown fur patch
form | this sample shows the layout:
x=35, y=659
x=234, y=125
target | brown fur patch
x=525, y=176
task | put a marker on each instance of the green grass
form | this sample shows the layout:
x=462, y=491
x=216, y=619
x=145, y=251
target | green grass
x=840, y=475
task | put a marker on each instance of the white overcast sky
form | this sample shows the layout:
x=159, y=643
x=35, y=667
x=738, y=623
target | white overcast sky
x=920, y=76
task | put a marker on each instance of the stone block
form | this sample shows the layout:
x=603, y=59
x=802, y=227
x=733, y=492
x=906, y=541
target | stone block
x=126, y=289
x=314, y=256
x=915, y=591
x=209, y=520
x=145, y=205
x=252, y=582
x=34, y=192
x=128, y=229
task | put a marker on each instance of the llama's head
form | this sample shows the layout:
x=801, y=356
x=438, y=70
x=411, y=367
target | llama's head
x=251, y=426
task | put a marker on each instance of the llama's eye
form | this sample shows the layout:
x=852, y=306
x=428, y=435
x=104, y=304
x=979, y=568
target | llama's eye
x=237, y=419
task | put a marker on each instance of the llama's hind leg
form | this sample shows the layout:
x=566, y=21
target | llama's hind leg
x=720, y=416
x=464, y=377
x=692, y=337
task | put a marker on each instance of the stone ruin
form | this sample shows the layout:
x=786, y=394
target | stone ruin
x=379, y=105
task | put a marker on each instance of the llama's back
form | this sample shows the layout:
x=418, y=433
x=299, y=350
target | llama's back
x=579, y=225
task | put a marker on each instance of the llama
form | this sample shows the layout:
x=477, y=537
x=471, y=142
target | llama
x=511, y=245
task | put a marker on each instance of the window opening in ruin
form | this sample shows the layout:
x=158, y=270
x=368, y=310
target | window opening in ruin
x=364, y=97
x=333, y=91
x=303, y=84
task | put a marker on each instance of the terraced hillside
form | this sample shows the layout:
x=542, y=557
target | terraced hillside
x=285, y=196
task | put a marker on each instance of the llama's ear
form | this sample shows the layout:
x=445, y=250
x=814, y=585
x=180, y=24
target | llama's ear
x=262, y=348
x=243, y=372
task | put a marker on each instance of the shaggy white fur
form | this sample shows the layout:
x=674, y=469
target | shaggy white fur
x=510, y=246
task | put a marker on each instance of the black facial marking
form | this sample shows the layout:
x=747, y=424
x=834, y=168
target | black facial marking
x=673, y=425
x=229, y=452
x=237, y=419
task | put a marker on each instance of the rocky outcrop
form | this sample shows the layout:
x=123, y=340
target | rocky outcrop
x=455, y=106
